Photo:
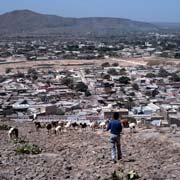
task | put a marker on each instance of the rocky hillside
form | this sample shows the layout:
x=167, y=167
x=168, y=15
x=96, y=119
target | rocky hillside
x=151, y=153
x=28, y=22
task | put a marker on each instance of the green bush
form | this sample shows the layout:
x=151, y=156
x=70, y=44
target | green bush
x=28, y=149
x=20, y=140
x=116, y=176
x=87, y=93
x=124, y=80
x=132, y=175
x=4, y=127
x=8, y=70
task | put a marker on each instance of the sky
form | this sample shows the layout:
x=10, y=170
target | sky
x=141, y=10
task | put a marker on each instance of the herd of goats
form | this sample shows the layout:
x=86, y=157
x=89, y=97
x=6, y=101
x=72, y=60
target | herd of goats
x=56, y=127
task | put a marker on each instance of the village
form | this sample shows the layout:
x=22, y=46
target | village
x=150, y=93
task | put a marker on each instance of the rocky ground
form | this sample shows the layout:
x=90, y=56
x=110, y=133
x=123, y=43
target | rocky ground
x=85, y=155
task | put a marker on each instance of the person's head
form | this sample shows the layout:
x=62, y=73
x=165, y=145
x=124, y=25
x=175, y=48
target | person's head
x=116, y=115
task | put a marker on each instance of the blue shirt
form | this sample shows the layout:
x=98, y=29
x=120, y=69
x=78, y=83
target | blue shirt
x=115, y=127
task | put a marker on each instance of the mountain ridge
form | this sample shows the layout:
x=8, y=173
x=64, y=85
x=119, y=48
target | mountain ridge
x=30, y=22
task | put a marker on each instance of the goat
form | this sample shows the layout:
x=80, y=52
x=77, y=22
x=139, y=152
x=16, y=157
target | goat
x=13, y=133
x=132, y=127
x=103, y=125
x=67, y=126
x=54, y=123
x=74, y=125
x=173, y=128
x=94, y=125
x=49, y=127
x=62, y=124
x=58, y=129
x=139, y=123
x=37, y=125
x=83, y=125
x=125, y=123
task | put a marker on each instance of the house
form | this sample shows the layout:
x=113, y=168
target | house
x=108, y=113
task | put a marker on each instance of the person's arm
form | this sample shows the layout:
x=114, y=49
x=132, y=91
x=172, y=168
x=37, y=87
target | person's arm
x=120, y=127
x=109, y=126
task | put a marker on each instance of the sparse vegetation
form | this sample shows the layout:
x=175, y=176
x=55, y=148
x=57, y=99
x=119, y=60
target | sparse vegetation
x=28, y=149
x=4, y=127
x=20, y=141
x=132, y=175
x=116, y=176
x=124, y=80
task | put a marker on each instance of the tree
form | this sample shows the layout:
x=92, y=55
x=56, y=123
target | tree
x=2, y=78
x=150, y=75
x=67, y=81
x=8, y=70
x=130, y=102
x=106, y=76
x=87, y=93
x=81, y=87
x=113, y=72
x=175, y=77
x=163, y=72
x=32, y=71
x=124, y=80
x=87, y=71
x=155, y=92
x=123, y=71
x=106, y=64
x=115, y=64
x=34, y=77
x=132, y=94
x=135, y=86
x=20, y=74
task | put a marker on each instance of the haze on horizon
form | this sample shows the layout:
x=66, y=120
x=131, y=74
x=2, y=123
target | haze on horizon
x=141, y=10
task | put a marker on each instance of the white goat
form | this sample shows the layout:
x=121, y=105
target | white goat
x=58, y=129
x=132, y=127
x=139, y=123
x=173, y=128
x=13, y=133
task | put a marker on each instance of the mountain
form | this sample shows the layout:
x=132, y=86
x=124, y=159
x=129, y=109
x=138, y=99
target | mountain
x=168, y=26
x=26, y=22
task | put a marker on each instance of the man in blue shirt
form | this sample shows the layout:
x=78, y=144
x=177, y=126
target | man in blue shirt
x=115, y=128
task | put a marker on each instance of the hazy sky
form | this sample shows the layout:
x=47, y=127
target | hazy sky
x=143, y=10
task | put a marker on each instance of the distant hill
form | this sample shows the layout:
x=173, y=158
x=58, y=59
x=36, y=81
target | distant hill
x=168, y=26
x=28, y=22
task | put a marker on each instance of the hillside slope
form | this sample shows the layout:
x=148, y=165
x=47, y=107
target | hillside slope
x=29, y=22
